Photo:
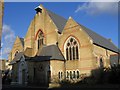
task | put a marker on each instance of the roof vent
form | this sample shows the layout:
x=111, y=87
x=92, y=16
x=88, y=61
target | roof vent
x=38, y=10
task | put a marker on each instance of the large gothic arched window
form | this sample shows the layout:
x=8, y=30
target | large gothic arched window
x=40, y=39
x=72, y=49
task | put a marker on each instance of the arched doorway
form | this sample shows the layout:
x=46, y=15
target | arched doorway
x=22, y=72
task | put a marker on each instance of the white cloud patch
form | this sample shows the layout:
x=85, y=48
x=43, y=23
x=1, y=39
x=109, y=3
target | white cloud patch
x=95, y=8
x=8, y=38
x=6, y=50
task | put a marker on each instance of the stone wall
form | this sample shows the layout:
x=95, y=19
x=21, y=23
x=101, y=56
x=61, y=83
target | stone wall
x=15, y=69
x=86, y=58
x=103, y=53
x=41, y=22
x=57, y=68
x=17, y=46
x=38, y=72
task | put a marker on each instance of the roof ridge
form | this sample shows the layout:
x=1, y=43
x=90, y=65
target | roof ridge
x=94, y=32
x=56, y=14
x=22, y=41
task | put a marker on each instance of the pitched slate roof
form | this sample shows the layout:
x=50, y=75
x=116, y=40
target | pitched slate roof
x=58, y=20
x=18, y=57
x=39, y=58
x=52, y=51
x=22, y=41
x=97, y=39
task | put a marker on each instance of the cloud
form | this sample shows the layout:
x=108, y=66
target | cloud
x=7, y=30
x=95, y=8
x=8, y=38
x=6, y=50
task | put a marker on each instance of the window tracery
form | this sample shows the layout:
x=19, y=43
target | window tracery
x=72, y=50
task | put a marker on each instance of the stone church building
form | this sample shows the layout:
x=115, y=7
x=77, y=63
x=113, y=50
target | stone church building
x=56, y=49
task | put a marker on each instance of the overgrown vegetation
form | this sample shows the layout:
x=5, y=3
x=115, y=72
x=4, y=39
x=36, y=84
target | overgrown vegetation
x=98, y=76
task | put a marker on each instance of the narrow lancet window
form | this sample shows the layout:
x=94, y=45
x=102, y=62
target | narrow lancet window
x=40, y=39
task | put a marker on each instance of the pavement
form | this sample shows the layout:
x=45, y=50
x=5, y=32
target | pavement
x=81, y=87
